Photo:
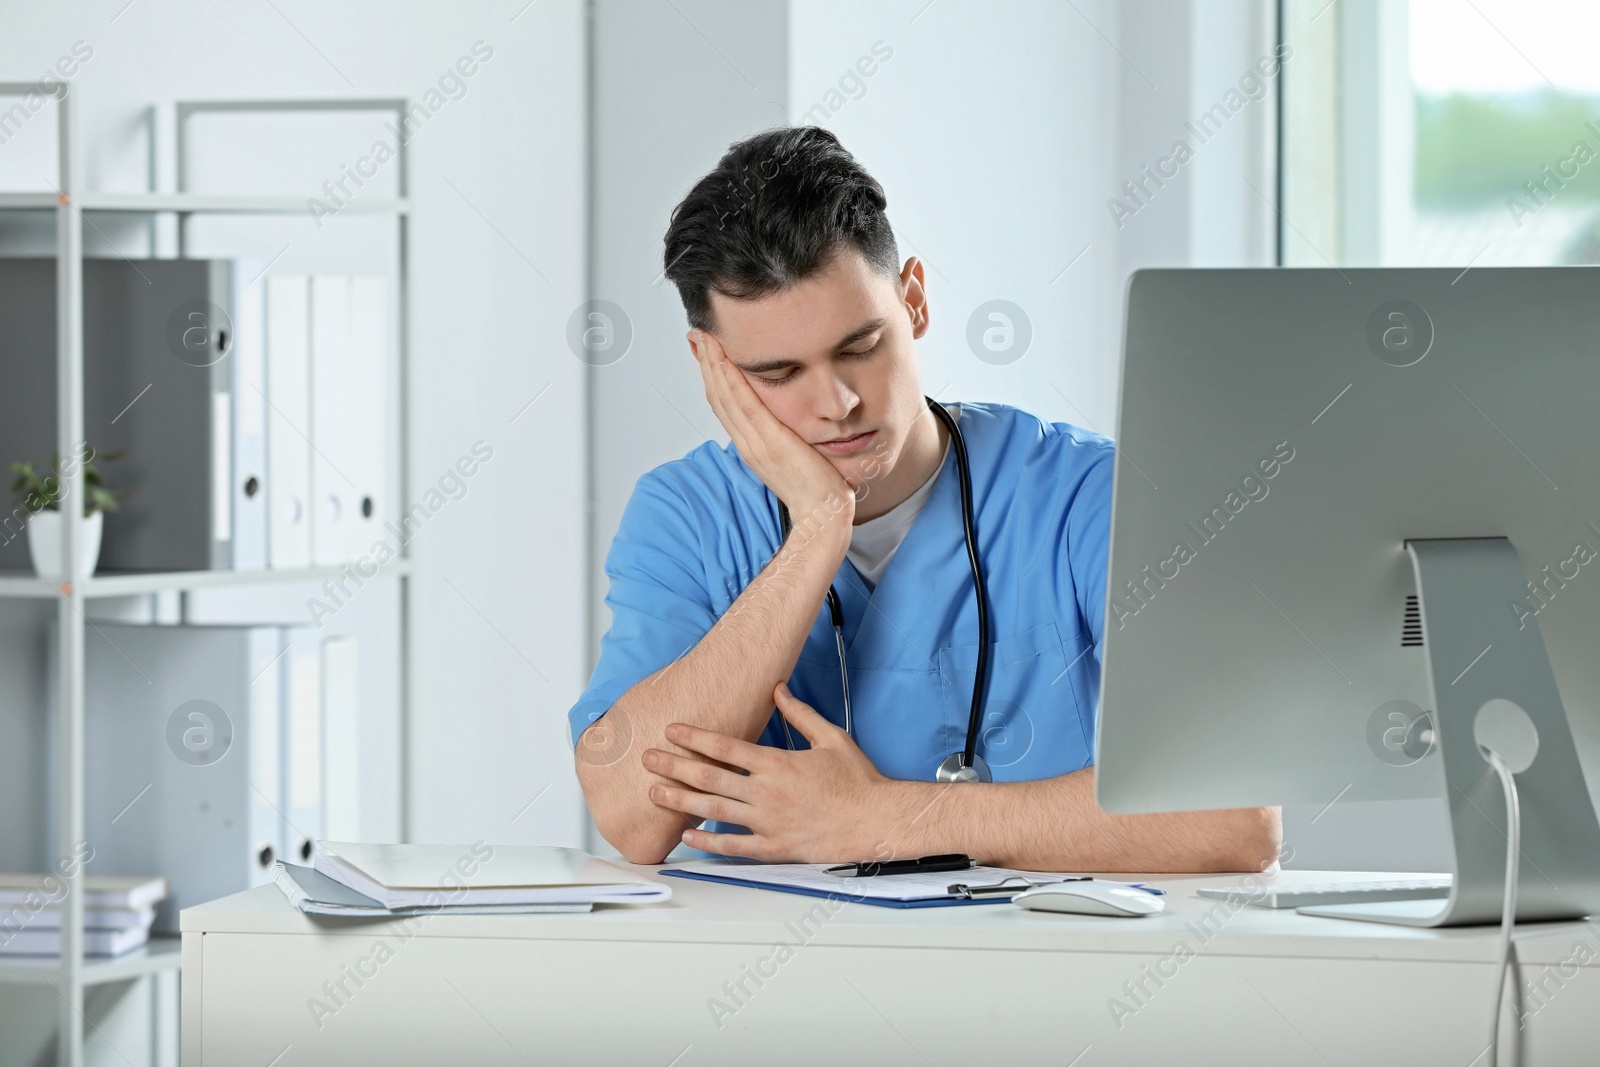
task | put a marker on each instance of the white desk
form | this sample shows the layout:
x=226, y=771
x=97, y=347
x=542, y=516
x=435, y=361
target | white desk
x=960, y=985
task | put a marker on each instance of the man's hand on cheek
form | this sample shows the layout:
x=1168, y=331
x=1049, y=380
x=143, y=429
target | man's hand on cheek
x=784, y=461
x=821, y=805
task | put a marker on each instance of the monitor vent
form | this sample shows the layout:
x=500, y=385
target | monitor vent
x=1411, y=632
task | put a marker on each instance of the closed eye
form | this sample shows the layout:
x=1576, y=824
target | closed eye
x=857, y=354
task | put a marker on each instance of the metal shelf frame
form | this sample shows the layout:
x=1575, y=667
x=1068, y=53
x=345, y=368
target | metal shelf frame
x=195, y=204
x=161, y=954
x=70, y=201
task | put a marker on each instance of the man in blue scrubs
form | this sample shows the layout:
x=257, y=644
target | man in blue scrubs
x=717, y=695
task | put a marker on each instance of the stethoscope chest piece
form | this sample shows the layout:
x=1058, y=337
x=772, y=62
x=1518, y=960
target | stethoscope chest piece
x=953, y=769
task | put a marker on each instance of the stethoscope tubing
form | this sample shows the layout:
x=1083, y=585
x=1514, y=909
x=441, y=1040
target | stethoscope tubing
x=979, y=683
x=836, y=611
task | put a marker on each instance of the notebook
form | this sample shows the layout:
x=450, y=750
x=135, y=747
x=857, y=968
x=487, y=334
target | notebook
x=101, y=891
x=315, y=893
x=95, y=942
x=409, y=876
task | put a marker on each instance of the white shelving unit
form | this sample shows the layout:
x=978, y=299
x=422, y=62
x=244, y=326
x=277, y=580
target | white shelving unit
x=71, y=972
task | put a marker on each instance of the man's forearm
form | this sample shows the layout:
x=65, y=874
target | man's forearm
x=1055, y=824
x=723, y=683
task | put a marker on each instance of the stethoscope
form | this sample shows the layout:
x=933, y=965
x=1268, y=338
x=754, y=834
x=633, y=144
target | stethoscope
x=966, y=765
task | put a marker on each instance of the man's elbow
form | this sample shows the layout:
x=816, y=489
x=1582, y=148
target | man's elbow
x=642, y=845
x=1258, y=841
x=642, y=852
x=637, y=843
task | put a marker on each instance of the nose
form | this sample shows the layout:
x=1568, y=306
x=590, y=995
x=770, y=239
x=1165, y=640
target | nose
x=838, y=400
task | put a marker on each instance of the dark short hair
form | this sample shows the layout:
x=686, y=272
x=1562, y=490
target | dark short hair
x=776, y=209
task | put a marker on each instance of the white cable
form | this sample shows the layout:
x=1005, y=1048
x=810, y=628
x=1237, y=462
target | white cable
x=1508, y=915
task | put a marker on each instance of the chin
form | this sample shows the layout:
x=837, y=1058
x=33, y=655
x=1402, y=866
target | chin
x=863, y=478
x=848, y=466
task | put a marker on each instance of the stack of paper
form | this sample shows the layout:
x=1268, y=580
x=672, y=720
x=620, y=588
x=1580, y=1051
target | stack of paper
x=368, y=879
x=117, y=913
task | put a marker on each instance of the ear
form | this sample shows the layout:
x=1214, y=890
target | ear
x=913, y=287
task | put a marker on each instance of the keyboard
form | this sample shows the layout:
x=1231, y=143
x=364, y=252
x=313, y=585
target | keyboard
x=1319, y=893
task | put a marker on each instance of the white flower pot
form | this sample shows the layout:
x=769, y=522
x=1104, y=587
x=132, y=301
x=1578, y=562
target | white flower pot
x=44, y=545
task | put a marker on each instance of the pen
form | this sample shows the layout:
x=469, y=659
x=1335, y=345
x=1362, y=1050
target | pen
x=1005, y=888
x=954, y=861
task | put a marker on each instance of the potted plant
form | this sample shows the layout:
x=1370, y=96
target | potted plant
x=41, y=496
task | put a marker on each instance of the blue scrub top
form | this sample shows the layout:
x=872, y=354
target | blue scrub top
x=698, y=530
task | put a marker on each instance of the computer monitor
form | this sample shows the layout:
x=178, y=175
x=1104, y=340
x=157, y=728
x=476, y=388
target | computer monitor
x=1295, y=448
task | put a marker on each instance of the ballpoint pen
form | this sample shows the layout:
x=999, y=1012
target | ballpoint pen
x=950, y=862
x=1006, y=888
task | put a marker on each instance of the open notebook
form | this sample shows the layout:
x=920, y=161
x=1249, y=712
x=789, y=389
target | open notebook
x=410, y=876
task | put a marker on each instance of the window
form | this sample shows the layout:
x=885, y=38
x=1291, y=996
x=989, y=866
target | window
x=1441, y=133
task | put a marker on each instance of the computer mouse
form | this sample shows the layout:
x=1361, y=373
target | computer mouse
x=1090, y=898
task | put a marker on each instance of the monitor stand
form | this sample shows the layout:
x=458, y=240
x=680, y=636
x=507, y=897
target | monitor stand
x=1491, y=683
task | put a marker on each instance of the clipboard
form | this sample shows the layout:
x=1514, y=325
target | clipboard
x=995, y=893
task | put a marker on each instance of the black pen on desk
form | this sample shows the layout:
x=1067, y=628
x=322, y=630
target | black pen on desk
x=953, y=861
x=1005, y=888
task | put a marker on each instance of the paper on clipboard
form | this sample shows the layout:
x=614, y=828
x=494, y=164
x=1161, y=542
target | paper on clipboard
x=896, y=887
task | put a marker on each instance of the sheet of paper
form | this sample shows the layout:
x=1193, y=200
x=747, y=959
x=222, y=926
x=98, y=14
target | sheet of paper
x=882, y=887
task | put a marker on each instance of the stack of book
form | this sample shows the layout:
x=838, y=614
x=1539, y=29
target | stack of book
x=117, y=913
x=348, y=878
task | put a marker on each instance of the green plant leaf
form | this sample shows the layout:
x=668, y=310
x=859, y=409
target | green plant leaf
x=43, y=492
